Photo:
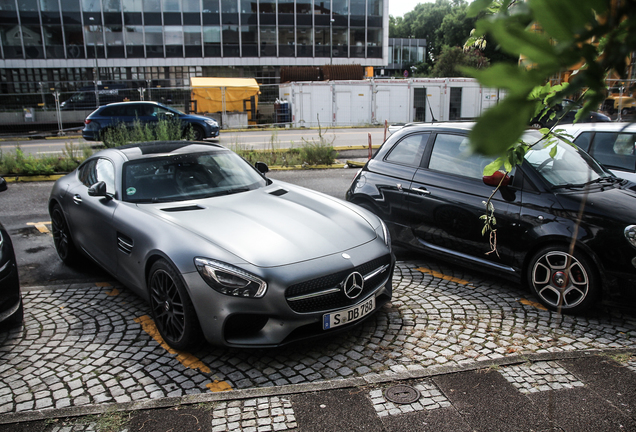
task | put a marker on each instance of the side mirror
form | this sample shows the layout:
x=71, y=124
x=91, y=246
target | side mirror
x=496, y=179
x=262, y=167
x=3, y=184
x=98, y=190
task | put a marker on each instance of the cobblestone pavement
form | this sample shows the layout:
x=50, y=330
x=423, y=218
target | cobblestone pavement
x=91, y=344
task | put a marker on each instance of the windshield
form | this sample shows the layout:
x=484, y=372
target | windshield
x=188, y=176
x=569, y=166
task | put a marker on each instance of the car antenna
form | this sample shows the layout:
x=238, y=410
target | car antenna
x=430, y=109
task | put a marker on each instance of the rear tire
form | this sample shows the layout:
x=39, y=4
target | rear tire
x=172, y=308
x=17, y=318
x=66, y=249
x=573, y=289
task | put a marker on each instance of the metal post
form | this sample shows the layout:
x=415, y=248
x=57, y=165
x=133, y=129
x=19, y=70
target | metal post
x=58, y=112
x=331, y=35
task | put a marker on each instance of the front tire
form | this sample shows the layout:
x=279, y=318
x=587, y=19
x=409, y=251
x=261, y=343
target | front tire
x=197, y=133
x=66, y=249
x=563, y=281
x=172, y=308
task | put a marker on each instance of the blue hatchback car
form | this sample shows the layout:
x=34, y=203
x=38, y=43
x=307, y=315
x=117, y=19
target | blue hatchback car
x=111, y=115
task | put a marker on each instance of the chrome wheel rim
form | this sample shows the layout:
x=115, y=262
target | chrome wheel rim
x=560, y=280
x=167, y=305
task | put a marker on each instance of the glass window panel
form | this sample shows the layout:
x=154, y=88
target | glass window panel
x=340, y=7
x=70, y=5
x=211, y=6
x=112, y=5
x=7, y=5
x=151, y=5
x=10, y=35
x=249, y=34
x=248, y=6
x=134, y=35
x=286, y=36
x=154, y=35
x=230, y=34
x=171, y=6
x=286, y=6
x=191, y=5
x=321, y=7
x=93, y=35
x=192, y=35
x=304, y=36
x=229, y=6
x=303, y=7
x=374, y=37
x=28, y=5
x=322, y=36
x=132, y=6
x=45, y=6
x=212, y=34
x=340, y=36
x=268, y=35
x=267, y=6
x=91, y=5
x=174, y=35
x=420, y=54
x=375, y=8
x=74, y=41
x=114, y=35
x=358, y=7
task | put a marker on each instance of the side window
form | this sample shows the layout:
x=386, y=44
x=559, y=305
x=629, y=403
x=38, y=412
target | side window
x=106, y=173
x=87, y=174
x=614, y=150
x=452, y=154
x=97, y=170
x=408, y=151
x=583, y=141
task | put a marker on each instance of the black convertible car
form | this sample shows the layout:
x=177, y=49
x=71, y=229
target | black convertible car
x=430, y=189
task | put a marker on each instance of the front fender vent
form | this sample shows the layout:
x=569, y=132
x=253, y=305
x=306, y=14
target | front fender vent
x=183, y=208
x=124, y=243
x=278, y=192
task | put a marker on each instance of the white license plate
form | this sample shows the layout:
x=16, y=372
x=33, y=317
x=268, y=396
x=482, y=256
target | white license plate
x=345, y=316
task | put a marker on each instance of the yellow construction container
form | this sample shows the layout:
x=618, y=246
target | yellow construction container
x=214, y=95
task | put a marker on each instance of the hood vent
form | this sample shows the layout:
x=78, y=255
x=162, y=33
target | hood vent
x=180, y=209
x=124, y=243
x=278, y=192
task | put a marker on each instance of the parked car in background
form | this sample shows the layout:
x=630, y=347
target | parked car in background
x=611, y=144
x=90, y=97
x=429, y=188
x=11, y=308
x=564, y=113
x=127, y=113
x=219, y=249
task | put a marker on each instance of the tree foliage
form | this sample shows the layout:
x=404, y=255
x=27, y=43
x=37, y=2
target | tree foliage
x=452, y=58
x=594, y=37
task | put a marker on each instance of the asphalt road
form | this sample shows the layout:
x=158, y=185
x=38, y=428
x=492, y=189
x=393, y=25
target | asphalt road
x=23, y=211
x=257, y=139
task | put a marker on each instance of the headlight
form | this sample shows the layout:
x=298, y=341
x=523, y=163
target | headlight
x=211, y=122
x=630, y=234
x=230, y=280
x=386, y=235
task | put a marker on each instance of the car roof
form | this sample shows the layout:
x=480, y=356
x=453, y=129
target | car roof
x=163, y=148
x=132, y=102
x=467, y=126
x=599, y=127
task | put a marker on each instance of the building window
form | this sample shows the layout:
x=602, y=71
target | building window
x=249, y=41
x=374, y=43
x=91, y=6
x=192, y=41
x=154, y=41
x=212, y=41
x=357, y=42
x=230, y=41
x=340, y=38
x=304, y=42
x=268, y=41
x=135, y=41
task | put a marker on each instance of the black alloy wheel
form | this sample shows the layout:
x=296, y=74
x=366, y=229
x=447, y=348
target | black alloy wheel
x=563, y=281
x=197, y=133
x=172, y=308
x=62, y=240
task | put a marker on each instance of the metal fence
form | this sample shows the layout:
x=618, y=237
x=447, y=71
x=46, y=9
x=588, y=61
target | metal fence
x=55, y=111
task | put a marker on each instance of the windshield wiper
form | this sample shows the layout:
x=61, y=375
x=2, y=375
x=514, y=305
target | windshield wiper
x=609, y=179
x=237, y=190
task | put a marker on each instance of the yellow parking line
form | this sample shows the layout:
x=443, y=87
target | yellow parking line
x=41, y=226
x=442, y=276
x=534, y=304
x=186, y=359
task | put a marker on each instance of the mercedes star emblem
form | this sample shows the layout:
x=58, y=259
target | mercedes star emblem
x=352, y=285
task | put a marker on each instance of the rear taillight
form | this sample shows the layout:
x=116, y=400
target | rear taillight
x=87, y=121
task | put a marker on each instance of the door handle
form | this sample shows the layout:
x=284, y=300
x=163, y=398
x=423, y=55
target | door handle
x=421, y=190
x=77, y=199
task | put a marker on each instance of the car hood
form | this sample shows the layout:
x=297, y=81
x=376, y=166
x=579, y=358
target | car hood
x=615, y=203
x=277, y=225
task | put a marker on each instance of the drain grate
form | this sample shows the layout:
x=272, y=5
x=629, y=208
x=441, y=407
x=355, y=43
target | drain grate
x=401, y=394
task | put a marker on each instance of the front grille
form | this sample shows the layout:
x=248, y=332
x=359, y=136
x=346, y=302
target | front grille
x=325, y=293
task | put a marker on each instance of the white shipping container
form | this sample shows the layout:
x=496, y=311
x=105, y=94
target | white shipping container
x=354, y=103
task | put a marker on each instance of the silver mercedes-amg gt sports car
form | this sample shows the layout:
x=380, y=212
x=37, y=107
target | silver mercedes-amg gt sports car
x=220, y=250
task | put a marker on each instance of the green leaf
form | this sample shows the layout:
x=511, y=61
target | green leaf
x=493, y=166
x=511, y=117
x=477, y=6
x=511, y=77
x=553, y=151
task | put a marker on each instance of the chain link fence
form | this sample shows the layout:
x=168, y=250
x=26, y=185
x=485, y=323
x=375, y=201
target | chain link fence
x=54, y=111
